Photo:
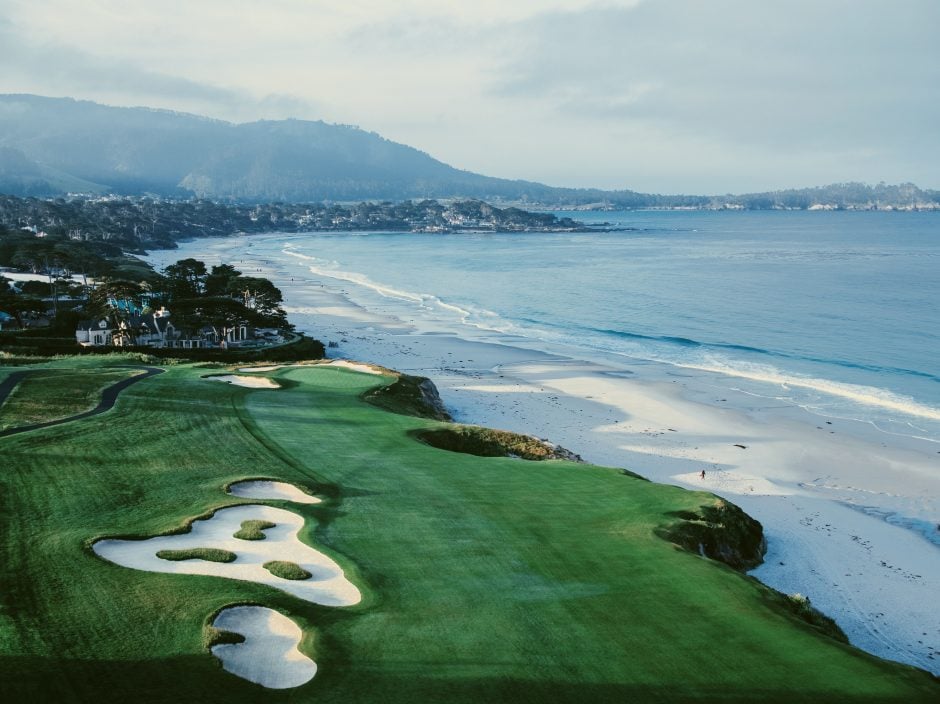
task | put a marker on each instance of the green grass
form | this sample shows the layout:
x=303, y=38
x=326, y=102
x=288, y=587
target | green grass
x=208, y=554
x=51, y=394
x=253, y=530
x=286, y=570
x=484, y=579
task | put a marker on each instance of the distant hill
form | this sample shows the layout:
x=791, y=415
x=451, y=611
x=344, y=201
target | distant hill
x=52, y=146
x=49, y=146
x=837, y=196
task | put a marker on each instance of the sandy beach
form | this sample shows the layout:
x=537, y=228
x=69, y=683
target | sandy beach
x=849, y=511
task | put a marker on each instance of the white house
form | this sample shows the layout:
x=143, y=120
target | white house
x=94, y=333
x=153, y=330
x=157, y=330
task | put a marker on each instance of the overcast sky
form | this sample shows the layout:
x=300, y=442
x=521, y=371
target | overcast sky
x=696, y=96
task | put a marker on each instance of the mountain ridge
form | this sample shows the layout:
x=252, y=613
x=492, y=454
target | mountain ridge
x=53, y=146
x=134, y=150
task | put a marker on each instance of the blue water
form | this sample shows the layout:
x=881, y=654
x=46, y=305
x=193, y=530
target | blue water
x=836, y=311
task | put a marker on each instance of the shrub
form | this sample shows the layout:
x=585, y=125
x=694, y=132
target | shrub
x=286, y=570
x=801, y=607
x=209, y=554
x=253, y=530
x=215, y=636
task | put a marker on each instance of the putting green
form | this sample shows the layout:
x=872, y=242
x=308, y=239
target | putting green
x=483, y=579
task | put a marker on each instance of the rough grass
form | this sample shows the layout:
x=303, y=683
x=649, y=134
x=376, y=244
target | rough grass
x=801, y=606
x=253, y=530
x=208, y=554
x=484, y=580
x=51, y=394
x=487, y=442
x=286, y=570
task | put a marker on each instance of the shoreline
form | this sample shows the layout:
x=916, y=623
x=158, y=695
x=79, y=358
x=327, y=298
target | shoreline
x=817, y=485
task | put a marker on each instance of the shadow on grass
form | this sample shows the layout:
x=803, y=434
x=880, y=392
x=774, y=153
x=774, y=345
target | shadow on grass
x=199, y=678
x=189, y=678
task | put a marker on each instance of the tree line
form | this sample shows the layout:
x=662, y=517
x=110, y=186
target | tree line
x=220, y=297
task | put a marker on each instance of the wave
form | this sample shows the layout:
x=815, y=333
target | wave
x=864, y=395
x=688, y=342
x=474, y=317
x=539, y=330
x=928, y=529
x=867, y=396
x=360, y=280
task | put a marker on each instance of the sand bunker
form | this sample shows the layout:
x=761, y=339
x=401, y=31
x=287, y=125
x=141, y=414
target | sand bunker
x=263, y=489
x=269, y=654
x=327, y=586
x=355, y=366
x=269, y=368
x=252, y=382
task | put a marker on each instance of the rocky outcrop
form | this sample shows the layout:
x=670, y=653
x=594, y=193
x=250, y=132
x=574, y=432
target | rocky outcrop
x=721, y=531
x=487, y=442
x=410, y=396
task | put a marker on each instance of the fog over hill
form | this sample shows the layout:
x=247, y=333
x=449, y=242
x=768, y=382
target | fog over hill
x=53, y=146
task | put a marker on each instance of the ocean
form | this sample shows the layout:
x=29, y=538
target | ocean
x=837, y=312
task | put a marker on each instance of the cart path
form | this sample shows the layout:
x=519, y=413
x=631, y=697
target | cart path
x=8, y=384
x=108, y=398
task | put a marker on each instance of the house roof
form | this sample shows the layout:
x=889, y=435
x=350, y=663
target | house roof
x=139, y=322
x=152, y=324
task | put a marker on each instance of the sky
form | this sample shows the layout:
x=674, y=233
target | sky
x=667, y=96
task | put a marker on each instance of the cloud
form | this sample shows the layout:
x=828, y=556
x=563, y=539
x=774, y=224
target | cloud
x=800, y=75
x=847, y=79
x=59, y=70
x=653, y=94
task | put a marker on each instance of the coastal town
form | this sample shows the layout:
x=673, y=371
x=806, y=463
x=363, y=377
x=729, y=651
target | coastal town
x=137, y=223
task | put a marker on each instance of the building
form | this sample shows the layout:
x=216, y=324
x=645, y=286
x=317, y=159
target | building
x=157, y=330
x=151, y=330
x=94, y=333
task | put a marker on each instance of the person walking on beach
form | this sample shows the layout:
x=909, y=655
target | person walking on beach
x=703, y=474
